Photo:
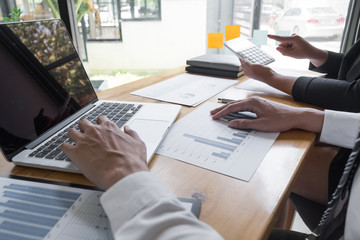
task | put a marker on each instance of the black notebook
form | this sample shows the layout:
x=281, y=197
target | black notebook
x=215, y=72
x=216, y=61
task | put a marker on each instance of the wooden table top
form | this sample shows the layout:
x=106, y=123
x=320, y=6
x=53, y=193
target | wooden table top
x=236, y=209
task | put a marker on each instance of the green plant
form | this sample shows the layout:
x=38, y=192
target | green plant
x=81, y=8
x=14, y=15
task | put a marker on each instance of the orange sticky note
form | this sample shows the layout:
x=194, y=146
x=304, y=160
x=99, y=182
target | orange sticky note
x=215, y=40
x=231, y=32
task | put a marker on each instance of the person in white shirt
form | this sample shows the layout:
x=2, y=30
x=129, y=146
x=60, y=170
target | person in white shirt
x=140, y=207
x=337, y=128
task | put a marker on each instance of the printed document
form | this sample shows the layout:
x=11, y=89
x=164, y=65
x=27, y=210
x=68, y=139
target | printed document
x=210, y=144
x=186, y=89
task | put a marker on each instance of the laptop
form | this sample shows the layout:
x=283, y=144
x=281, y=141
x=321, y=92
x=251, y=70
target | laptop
x=45, y=91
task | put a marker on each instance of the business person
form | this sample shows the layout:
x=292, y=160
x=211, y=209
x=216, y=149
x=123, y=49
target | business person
x=140, y=207
x=340, y=90
x=337, y=128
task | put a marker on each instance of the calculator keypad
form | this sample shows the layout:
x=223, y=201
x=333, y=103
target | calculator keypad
x=256, y=55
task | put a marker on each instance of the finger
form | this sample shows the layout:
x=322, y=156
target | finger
x=67, y=148
x=285, y=44
x=101, y=119
x=279, y=38
x=131, y=133
x=84, y=124
x=74, y=135
x=245, y=63
x=283, y=51
x=246, y=124
x=214, y=111
x=230, y=108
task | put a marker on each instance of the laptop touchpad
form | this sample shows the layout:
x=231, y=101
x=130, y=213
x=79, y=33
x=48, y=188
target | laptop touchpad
x=150, y=131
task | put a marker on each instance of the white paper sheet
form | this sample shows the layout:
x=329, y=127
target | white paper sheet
x=201, y=141
x=257, y=86
x=186, y=89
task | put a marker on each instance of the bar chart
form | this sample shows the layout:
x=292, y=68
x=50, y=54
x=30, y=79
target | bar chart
x=201, y=141
x=30, y=210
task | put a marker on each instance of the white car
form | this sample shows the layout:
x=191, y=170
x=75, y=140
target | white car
x=311, y=22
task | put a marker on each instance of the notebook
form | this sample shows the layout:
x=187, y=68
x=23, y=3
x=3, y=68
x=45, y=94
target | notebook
x=216, y=61
x=45, y=90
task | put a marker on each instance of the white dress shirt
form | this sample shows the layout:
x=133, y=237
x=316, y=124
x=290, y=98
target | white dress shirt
x=341, y=129
x=141, y=207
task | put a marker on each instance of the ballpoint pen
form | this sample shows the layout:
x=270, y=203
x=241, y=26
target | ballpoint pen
x=225, y=100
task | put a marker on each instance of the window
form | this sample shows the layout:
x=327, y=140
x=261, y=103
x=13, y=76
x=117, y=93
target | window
x=293, y=12
x=140, y=9
x=99, y=21
x=31, y=9
x=122, y=40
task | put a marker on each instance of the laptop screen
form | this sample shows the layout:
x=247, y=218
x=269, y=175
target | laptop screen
x=42, y=81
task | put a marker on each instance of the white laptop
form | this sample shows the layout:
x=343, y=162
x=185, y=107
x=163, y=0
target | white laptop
x=45, y=90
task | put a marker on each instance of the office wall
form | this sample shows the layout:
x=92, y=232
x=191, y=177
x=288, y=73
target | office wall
x=164, y=44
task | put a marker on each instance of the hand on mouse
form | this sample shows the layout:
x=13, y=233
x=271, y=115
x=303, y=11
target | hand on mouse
x=271, y=116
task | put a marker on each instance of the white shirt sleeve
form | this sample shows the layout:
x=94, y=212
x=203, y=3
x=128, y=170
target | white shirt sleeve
x=340, y=128
x=140, y=207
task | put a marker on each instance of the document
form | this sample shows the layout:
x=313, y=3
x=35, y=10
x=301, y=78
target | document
x=186, y=89
x=210, y=144
x=258, y=86
x=34, y=210
x=31, y=210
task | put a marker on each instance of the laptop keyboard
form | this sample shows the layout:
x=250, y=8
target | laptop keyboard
x=119, y=113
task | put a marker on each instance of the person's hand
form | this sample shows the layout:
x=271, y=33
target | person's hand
x=104, y=153
x=257, y=71
x=293, y=46
x=267, y=75
x=271, y=116
x=296, y=47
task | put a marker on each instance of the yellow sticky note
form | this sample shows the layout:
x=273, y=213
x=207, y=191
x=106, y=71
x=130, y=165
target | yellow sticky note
x=231, y=32
x=215, y=40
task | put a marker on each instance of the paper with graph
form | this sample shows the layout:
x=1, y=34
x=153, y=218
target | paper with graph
x=201, y=141
x=186, y=89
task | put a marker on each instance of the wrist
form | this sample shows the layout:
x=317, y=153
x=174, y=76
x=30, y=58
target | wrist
x=283, y=83
x=308, y=119
x=121, y=172
x=319, y=57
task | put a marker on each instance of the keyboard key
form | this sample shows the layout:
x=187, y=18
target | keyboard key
x=118, y=113
x=121, y=123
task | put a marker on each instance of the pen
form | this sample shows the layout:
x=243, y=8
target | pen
x=225, y=100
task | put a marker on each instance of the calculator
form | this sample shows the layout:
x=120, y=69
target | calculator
x=245, y=49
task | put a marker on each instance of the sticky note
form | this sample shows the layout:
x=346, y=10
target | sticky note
x=281, y=33
x=231, y=32
x=215, y=40
x=260, y=37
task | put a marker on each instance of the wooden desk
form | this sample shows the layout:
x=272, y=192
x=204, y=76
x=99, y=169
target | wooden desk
x=236, y=209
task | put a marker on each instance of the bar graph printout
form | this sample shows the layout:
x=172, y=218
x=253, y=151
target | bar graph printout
x=201, y=141
x=30, y=210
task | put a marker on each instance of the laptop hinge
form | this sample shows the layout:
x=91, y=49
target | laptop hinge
x=59, y=126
